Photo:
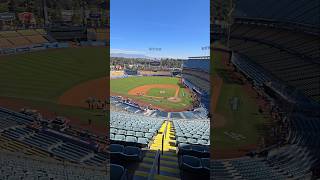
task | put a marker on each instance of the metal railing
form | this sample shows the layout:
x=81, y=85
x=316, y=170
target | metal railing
x=155, y=166
x=164, y=136
x=156, y=162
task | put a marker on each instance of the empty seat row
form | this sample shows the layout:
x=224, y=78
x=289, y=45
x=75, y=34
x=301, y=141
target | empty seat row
x=121, y=153
x=130, y=140
x=192, y=131
x=197, y=167
x=193, y=150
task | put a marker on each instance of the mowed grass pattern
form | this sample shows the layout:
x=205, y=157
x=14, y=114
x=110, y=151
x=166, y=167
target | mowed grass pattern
x=245, y=121
x=158, y=92
x=46, y=75
x=39, y=78
x=122, y=87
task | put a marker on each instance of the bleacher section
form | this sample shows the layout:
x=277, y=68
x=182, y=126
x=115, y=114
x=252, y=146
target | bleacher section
x=136, y=139
x=289, y=162
x=53, y=145
x=116, y=74
x=196, y=76
x=251, y=70
x=19, y=38
x=304, y=130
x=193, y=147
x=97, y=34
x=192, y=132
x=289, y=52
x=293, y=161
x=137, y=130
x=17, y=134
x=19, y=166
x=277, y=49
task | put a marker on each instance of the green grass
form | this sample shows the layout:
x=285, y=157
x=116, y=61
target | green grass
x=245, y=121
x=41, y=77
x=168, y=92
x=82, y=114
x=122, y=86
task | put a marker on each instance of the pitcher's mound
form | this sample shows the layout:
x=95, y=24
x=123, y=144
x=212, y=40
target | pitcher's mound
x=174, y=99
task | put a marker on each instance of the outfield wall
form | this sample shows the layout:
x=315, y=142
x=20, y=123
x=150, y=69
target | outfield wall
x=45, y=46
x=32, y=48
x=93, y=43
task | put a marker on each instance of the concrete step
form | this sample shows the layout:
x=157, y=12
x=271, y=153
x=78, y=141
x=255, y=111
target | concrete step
x=163, y=177
x=140, y=175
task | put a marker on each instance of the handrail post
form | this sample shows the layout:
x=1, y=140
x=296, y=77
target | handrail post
x=155, y=166
x=159, y=164
x=162, y=144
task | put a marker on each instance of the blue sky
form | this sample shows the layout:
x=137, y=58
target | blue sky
x=179, y=27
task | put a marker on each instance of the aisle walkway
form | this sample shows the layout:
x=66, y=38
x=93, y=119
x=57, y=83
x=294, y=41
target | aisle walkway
x=169, y=144
x=169, y=169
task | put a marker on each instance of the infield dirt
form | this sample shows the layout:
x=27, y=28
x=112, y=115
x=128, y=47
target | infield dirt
x=77, y=95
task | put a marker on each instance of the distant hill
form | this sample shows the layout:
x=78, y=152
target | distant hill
x=124, y=55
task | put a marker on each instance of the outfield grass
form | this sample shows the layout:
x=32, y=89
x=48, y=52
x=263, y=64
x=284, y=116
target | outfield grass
x=122, y=86
x=41, y=77
x=169, y=92
x=245, y=121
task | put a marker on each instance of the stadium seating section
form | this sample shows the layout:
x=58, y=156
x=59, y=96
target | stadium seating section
x=192, y=131
x=13, y=166
x=97, y=34
x=17, y=134
x=136, y=136
x=20, y=38
x=135, y=130
x=287, y=162
x=119, y=105
x=291, y=56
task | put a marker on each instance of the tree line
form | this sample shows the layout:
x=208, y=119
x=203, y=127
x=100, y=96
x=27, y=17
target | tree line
x=141, y=63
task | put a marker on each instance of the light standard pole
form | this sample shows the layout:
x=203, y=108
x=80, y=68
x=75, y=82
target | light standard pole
x=205, y=49
x=155, y=50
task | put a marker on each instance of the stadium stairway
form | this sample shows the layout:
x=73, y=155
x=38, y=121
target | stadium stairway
x=169, y=168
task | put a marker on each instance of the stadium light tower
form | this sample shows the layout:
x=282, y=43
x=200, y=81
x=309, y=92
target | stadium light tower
x=83, y=9
x=205, y=49
x=155, y=50
x=230, y=21
x=45, y=13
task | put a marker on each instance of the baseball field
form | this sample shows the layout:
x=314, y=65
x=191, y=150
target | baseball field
x=165, y=93
x=56, y=82
x=237, y=123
